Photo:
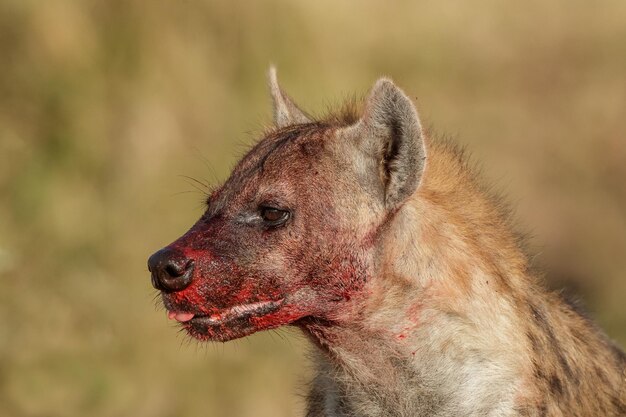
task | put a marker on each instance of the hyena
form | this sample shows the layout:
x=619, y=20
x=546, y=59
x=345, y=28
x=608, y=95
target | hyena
x=378, y=242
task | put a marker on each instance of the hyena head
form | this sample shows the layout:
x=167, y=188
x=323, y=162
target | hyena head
x=292, y=235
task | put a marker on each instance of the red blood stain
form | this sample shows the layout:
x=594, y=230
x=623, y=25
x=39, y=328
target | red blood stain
x=326, y=265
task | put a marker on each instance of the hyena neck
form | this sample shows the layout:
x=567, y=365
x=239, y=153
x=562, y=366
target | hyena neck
x=423, y=345
x=437, y=333
x=454, y=323
x=418, y=347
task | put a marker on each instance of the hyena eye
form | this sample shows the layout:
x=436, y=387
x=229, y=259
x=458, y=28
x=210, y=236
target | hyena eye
x=273, y=216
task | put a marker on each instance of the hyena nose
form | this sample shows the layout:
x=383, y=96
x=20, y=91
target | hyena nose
x=171, y=270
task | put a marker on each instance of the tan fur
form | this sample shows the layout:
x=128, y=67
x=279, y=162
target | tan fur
x=458, y=325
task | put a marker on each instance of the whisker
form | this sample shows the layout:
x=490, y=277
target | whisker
x=189, y=192
x=197, y=181
x=204, y=191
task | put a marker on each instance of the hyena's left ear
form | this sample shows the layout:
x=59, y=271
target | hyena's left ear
x=285, y=111
x=390, y=134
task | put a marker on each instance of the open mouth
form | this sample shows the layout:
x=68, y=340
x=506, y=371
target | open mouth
x=232, y=315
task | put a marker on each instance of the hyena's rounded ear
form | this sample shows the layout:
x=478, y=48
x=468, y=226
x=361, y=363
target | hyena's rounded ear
x=286, y=113
x=390, y=132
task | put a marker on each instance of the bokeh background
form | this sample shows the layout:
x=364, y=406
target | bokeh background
x=107, y=106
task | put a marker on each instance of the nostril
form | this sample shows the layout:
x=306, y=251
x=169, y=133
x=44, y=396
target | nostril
x=173, y=270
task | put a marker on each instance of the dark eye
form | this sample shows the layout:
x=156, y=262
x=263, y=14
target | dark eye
x=273, y=216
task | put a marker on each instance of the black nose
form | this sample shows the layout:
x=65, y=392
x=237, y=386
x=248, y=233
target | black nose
x=171, y=270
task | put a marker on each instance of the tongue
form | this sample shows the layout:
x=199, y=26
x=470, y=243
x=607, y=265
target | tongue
x=182, y=317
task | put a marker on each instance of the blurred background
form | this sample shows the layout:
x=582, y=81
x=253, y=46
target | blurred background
x=107, y=106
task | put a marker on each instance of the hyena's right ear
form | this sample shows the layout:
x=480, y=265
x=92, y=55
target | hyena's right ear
x=285, y=111
x=390, y=137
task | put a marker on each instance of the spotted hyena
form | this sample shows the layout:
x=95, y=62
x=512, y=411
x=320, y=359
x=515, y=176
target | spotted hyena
x=379, y=243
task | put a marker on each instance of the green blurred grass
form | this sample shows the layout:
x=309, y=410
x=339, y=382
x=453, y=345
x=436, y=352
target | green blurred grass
x=104, y=104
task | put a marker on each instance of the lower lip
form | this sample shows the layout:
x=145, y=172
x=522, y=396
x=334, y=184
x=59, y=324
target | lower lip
x=253, y=309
